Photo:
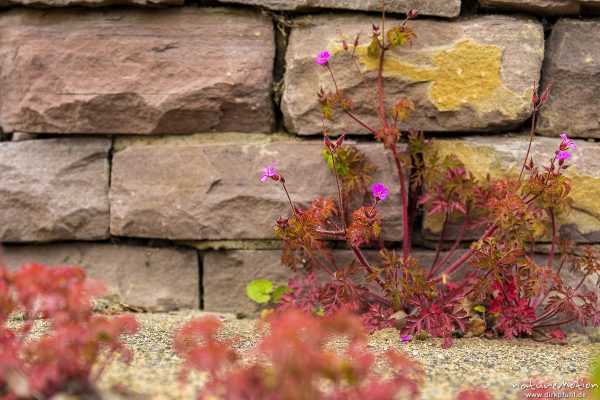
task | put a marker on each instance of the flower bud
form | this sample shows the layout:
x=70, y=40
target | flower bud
x=340, y=140
x=345, y=45
x=412, y=13
x=327, y=142
x=282, y=222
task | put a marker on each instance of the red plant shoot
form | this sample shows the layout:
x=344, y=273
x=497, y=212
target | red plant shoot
x=517, y=295
x=294, y=360
x=72, y=353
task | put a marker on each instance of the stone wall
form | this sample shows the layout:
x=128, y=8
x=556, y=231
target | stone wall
x=134, y=131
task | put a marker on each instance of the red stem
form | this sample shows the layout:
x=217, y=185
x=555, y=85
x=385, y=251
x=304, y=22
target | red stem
x=405, y=225
x=339, y=187
x=365, y=263
x=459, y=237
x=535, y=302
x=581, y=282
x=367, y=127
x=288, y=196
x=553, y=246
x=468, y=254
x=380, y=87
x=440, y=242
x=566, y=321
x=530, y=141
x=337, y=90
x=370, y=93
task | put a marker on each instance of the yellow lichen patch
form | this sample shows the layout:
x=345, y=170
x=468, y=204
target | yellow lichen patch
x=480, y=160
x=467, y=74
x=586, y=208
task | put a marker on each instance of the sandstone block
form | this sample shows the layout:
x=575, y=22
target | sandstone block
x=89, y=3
x=545, y=7
x=573, y=64
x=213, y=191
x=503, y=157
x=468, y=75
x=438, y=8
x=54, y=189
x=158, y=279
x=180, y=70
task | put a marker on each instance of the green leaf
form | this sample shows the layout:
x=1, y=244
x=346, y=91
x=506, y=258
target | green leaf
x=374, y=50
x=278, y=292
x=400, y=35
x=327, y=110
x=480, y=309
x=342, y=168
x=259, y=291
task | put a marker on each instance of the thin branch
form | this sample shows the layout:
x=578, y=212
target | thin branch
x=530, y=141
x=440, y=242
x=361, y=258
x=339, y=187
x=405, y=225
x=469, y=253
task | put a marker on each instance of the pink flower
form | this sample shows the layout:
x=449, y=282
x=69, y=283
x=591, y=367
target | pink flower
x=406, y=338
x=270, y=173
x=322, y=58
x=562, y=155
x=380, y=192
x=566, y=143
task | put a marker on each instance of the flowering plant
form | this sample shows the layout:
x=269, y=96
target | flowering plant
x=71, y=354
x=497, y=285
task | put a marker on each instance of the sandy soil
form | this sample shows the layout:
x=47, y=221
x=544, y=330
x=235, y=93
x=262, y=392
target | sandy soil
x=496, y=365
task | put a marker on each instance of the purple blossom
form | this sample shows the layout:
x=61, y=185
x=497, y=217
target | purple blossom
x=406, y=338
x=322, y=58
x=562, y=155
x=566, y=143
x=269, y=172
x=380, y=192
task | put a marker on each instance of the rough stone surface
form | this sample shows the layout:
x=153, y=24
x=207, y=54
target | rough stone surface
x=438, y=8
x=573, y=64
x=182, y=70
x=226, y=274
x=503, y=156
x=468, y=75
x=54, y=189
x=213, y=191
x=89, y=3
x=546, y=7
x=159, y=279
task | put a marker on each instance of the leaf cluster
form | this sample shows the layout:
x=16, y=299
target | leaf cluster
x=71, y=354
x=292, y=360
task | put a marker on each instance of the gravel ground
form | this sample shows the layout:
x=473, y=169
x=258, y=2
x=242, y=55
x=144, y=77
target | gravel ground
x=492, y=364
